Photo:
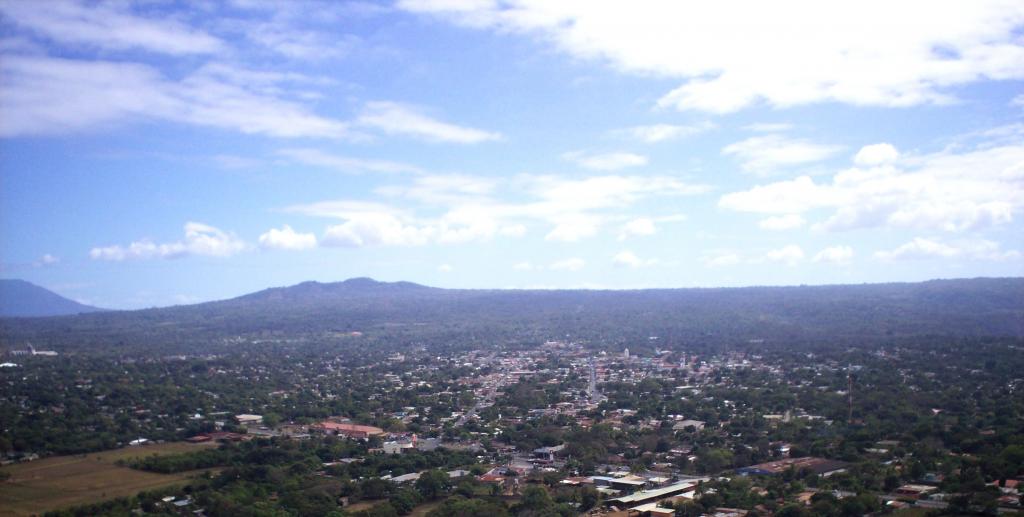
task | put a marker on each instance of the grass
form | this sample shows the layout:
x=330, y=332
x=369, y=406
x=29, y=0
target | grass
x=911, y=512
x=52, y=483
x=424, y=509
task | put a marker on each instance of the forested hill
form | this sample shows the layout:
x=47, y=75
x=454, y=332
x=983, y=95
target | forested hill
x=19, y=298
x=404, y=312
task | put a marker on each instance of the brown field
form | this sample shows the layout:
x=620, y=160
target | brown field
x=419, y=511
x=53, y=483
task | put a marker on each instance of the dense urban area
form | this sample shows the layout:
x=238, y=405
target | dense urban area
x=451, y=420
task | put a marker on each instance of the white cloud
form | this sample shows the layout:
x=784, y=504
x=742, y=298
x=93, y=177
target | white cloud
x=46, y=95
x=395, y=118
x=109, y=26
x=345, y=209
x=370, y=224
x=919, y=248
x=570, y=264
x=318, y=158
x=835, y=255
x=918, y=51
x=513, y=230
x=605, y=161
x=574, y=228
x=474, y=208
x=923, y=248
x=523, y=266
x=950, y=190
x=200, y=239
x=766, y=154
x=640, y=226
x=579, y=208
x=876, y=154
x=443, y=189
x=290, y=41
x=1018, y=101
x=655, y=133
x=445, y=268
x=768, y=127
x=722, y=260
x=627, y=258
x=790, y=255
x=287, y=239
x=579, y=195
x=781, y=222
x=376, y=229
x=469, y=223
x=46, y=260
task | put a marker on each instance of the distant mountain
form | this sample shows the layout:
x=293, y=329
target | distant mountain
x=316, y=292
x=393, y=313
x=19, y=298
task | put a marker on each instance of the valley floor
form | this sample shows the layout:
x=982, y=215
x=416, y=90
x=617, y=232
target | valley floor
x=52, y=483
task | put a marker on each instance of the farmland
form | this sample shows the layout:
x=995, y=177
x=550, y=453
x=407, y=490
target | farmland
x=53, y=483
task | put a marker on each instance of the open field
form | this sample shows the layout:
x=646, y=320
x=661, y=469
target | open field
x=53, y=483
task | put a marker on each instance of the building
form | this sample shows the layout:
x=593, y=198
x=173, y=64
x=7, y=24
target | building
x=819, y=466
x=406, y=478
x=345, y=429
x=248, y=420
x=548, y=453
x=914, y=491
x=654, y=510
x=682, y=425
x=622, y=485
x=652, y=496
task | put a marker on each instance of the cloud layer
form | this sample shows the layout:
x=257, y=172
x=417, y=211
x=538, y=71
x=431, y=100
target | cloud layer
x=200, y=239
x=951, y=191
x=733, y=54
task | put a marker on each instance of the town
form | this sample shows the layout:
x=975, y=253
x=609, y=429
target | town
x=575, y=429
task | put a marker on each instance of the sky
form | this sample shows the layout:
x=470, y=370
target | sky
x=158, y=153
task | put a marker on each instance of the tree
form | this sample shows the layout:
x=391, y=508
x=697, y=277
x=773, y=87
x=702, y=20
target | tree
x=689, y=509
x=433, y=484
x=588, y=497
x=790, y=510
x=535, y=500
x=458, y=506
x=380, y=510
x=404, y=501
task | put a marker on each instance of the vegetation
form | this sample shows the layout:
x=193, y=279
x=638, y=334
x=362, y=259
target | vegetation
x=759, y=375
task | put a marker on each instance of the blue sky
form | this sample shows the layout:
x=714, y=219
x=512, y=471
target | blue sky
x=158, y=153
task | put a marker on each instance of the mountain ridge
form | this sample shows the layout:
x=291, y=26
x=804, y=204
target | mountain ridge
x=23, y=299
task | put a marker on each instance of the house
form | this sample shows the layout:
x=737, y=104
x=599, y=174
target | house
x=652, y=496
x=548, y=453
x=427, y=444
x=653, y=510
x=819, y=466
x=406, y=478
x=729, y=512
x=683, y=425
x=914, y=491
x=344, y=429
x=249, y=420
x=396, y=447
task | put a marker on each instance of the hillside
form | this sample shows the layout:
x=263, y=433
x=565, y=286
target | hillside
x=19, y=298
x=409, y=313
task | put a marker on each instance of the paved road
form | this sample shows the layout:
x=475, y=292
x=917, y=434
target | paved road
x=488, y=398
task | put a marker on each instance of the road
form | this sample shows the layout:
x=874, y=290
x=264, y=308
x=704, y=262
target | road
x=488, y=398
